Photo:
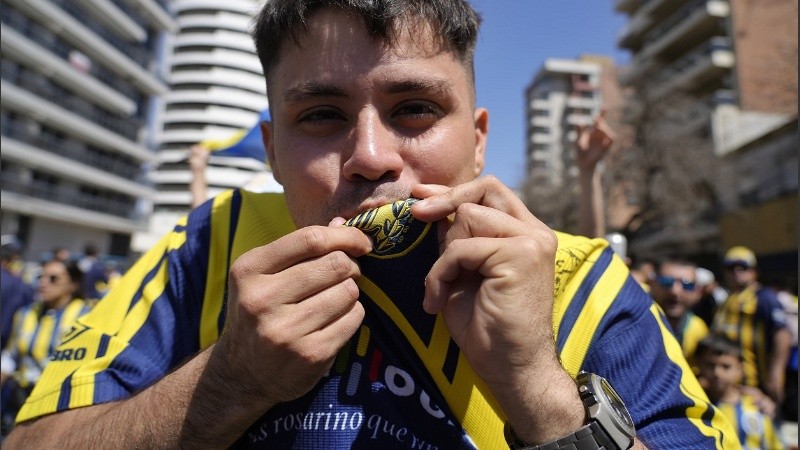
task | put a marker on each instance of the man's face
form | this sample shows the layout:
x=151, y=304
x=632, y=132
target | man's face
x=722, y=372
x=674, y=289
x=356, y=124
x=739, y=275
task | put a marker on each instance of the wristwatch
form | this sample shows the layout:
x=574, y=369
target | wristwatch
x=610, y=426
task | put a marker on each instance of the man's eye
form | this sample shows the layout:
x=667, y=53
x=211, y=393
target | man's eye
x=321, y=115
x=417, y=110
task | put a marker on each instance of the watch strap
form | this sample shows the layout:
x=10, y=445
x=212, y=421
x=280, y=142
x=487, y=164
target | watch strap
x=588, y=437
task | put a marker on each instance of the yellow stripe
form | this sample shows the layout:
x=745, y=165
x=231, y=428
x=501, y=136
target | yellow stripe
x=109, y=318
x=690, y=387
x=746, y=340
x=363, y=341
x=81, y=390
x=469, y=399
x=440, y=340
x=266, y=218
x=600, y=299
x=217, y=269
x=28, y=326
x=41, y=345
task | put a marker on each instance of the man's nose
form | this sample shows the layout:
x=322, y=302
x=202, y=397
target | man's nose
x=374, y=152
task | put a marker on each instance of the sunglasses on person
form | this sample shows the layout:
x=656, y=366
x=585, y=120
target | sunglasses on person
x=51, y=278
x=668, y=282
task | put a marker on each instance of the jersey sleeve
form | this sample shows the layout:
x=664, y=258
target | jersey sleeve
x=606, y=324
x=770, y=310
x=143, y=328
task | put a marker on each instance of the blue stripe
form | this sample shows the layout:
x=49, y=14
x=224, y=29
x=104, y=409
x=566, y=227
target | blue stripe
x=66, y=393
x=147, y=278
x=739, y=427
x=579, y=300
x=707, y=417
x=102, y=347
x=236, y=209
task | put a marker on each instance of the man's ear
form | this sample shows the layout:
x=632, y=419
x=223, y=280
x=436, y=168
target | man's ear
x=481, y=120
x=269, y=147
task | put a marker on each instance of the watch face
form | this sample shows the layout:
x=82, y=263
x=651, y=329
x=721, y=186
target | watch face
x=617, y=406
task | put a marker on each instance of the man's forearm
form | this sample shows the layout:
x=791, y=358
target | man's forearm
x=591, y=218
x=782, y=342
x=189, y=407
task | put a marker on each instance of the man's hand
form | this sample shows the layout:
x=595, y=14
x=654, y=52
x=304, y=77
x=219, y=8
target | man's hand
x=493, y=283
x=292, y=305
x=593, y=143
x=198, y=158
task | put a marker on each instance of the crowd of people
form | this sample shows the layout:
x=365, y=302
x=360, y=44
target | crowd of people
x=391, y=297
x=41, y=300
x=739, y=336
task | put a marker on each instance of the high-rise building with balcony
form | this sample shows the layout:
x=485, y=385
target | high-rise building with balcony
x=736, y=60
x=79, y=79
x=216, y=89
x=565, y=94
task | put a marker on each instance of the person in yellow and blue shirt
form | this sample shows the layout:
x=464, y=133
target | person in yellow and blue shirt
x=753, y=317
x=37, y=330
x=389, y=298
x=675, y=290
x=722, y=370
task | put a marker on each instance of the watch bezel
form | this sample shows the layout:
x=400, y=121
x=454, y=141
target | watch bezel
x=605, y=406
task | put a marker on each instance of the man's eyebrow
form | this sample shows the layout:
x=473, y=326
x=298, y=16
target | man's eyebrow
x=305, y=91
x=436, y=86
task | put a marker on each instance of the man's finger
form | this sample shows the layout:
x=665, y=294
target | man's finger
x=307, y=243
x=487, y=191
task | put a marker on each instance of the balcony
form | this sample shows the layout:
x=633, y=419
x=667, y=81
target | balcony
x=20, y=48
x=61, y=119
x=11, y=182
x=216, y=57
x=218, y=96
x=77, y=151
x=711, y=60
x=685, y=28
x=73, y=31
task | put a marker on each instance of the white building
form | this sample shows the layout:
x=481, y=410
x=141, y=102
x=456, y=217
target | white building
x=216, y=90
x=79, y=78
x=563, y=94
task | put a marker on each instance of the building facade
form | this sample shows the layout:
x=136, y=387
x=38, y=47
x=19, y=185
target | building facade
x=216, y=89
x=563, y=95
x=737, y=62
x=79, y=82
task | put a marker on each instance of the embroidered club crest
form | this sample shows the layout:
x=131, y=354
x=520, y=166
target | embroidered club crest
x=394, y=231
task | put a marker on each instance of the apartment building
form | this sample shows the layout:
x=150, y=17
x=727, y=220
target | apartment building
x=79, y=82
x=737, y=60
x=565, y=94
x=215, y=90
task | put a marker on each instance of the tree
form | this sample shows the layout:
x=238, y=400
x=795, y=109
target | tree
x=668, y=170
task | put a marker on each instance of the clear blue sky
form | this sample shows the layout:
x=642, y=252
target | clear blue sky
x=516, y=38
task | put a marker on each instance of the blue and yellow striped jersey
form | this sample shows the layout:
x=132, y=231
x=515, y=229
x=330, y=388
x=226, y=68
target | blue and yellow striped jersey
x=690, y=332
x=756, y=431
x=401, y=382
x=751, y=318
x=36, y=332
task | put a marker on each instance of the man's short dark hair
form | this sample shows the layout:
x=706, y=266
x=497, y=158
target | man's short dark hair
x=677, y=260
x=454, y=21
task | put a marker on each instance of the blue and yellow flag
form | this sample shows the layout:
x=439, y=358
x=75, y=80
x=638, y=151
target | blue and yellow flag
x=244, y=143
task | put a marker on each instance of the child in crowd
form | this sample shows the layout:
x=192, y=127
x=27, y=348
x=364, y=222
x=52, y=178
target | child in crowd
x=721, y=374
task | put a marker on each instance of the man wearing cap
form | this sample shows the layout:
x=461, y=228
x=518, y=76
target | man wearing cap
x=753, y=317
